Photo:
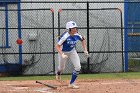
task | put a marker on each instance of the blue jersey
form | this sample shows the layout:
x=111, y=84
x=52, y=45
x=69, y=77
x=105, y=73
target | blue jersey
x=68, y=42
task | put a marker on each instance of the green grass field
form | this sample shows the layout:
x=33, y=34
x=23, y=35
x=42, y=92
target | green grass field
x=128, y=75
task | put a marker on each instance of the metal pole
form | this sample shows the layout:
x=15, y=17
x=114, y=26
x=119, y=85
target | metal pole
x=88, y=61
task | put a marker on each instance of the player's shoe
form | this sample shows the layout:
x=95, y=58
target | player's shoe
x=73, y=86
x=58, y=77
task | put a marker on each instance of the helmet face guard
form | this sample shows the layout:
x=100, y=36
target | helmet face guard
x=71, y=24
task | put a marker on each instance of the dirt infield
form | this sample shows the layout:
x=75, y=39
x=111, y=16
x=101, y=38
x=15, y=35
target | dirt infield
x=86, y=86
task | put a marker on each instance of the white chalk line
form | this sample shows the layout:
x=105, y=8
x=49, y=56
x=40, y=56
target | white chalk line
x=16, y=88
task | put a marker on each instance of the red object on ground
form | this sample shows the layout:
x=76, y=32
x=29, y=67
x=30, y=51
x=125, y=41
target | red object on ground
x=19, y=41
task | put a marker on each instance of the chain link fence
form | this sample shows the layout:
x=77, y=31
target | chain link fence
x=39, y=24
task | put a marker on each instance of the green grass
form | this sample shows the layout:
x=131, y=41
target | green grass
x=128, y=75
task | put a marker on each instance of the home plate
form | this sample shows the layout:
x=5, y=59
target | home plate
x=44, y=90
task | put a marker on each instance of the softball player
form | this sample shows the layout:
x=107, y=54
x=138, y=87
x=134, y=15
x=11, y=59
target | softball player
x=66, y=49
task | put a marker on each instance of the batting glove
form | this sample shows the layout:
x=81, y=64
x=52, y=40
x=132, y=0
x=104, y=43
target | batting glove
x=64, y=56
x=86, y=53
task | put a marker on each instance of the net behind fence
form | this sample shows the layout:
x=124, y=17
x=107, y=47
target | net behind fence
x=39, y=24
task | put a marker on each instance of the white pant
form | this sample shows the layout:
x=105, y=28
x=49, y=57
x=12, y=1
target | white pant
x=74, y=59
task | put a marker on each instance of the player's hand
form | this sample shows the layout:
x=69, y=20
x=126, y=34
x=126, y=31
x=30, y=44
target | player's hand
x=86, y=53
x=64, y=56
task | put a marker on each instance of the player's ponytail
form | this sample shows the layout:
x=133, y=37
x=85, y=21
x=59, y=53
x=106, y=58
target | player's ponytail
x=69, y=29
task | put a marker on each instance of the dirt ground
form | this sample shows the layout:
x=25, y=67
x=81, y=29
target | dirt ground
x=86, y=86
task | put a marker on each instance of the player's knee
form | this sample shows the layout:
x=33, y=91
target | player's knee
x=61, y=69
x=78, y=68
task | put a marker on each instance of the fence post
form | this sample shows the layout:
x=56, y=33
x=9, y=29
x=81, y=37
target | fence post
x=19, y=32
x=88, y=66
